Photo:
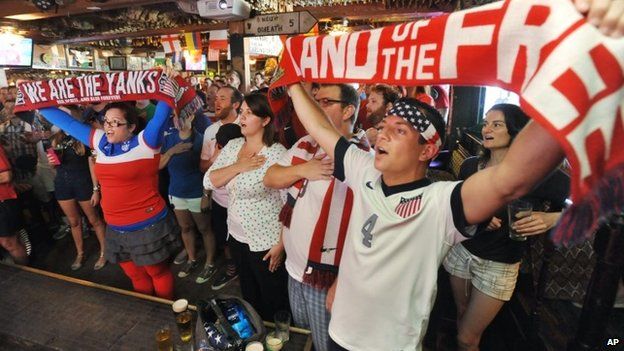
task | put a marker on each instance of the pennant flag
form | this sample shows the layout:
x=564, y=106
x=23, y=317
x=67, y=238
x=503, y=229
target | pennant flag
x=193, y=41
x=218, y=39
x=569, y=76
x=213, y=54
x=171, y=43
x=176, y=57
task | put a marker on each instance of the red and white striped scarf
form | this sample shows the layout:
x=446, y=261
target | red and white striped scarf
x=331, y=225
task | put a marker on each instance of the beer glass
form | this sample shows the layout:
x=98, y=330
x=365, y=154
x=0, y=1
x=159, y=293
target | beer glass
x=518, y=209
x=184, y=322
x=273, y=342
x=282, y=325
x=163, y=339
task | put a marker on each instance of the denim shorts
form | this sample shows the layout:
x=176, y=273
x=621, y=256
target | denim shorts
x=495, y=279
x=73, y=186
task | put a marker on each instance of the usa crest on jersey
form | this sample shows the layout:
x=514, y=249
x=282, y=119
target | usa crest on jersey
x=408, y=207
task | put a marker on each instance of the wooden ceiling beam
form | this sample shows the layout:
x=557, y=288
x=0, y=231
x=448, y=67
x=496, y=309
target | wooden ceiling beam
x=372, y=11
x=26, y=7
x=146, y=33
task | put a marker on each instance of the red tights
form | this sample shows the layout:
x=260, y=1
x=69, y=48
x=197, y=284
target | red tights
x=155, y=278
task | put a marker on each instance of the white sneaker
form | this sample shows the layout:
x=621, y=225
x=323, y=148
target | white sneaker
x=181, y=257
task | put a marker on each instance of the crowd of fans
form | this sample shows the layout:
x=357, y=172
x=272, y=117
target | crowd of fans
x=327, y=212
x=229, y=174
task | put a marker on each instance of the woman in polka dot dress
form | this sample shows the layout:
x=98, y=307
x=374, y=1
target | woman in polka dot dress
x=253, y=226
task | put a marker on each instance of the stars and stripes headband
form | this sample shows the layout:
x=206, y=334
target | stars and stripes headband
x=408, y=110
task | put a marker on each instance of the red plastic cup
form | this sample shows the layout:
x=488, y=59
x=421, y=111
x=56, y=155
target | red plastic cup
x=53, y=157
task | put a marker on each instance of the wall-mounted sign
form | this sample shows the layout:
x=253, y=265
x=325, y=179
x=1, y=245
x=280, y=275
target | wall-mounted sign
x=269, y=46
x=280, y=23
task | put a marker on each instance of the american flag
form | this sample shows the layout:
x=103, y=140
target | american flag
x=409, y=111
x=408, y=207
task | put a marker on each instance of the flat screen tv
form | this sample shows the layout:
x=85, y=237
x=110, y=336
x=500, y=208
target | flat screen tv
x=117, y=63
x=16, y=51
x=194, y=62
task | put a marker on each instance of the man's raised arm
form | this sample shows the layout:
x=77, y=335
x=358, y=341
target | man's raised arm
x=314, y=119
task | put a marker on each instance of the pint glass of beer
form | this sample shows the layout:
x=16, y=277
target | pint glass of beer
x=184, y=322
x=163, y=339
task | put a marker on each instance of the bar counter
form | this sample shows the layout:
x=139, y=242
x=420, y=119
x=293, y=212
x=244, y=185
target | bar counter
x=47, y=311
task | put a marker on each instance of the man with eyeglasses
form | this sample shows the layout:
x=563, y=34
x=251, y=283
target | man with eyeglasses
x=316, y=214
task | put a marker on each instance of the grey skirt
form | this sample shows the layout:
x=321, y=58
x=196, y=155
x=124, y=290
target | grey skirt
x=147, y=246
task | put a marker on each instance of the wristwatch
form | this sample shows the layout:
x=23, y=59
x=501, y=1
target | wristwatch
x=96, y=188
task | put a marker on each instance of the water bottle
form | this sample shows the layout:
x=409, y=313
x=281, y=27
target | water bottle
x=237, y=317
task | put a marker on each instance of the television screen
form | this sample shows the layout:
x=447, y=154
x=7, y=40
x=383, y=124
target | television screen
x=117, y=63
x=194, y=62
x=16, y=51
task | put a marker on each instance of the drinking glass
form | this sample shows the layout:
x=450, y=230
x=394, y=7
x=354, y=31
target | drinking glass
x=517, y=210
x=282, y=325
x=273, y=342
x=163, y=339
x=184, y=323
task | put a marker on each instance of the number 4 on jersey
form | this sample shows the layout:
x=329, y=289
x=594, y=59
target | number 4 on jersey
x=367, y=230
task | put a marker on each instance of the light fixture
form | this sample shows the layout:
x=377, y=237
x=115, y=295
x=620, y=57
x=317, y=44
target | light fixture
x=94, y=8
x=223, y=4
x=44, y=4
x=338, y=30
x=27, y=16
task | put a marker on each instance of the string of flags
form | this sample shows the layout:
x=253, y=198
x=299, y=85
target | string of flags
x=171, y=43
x=218, y=41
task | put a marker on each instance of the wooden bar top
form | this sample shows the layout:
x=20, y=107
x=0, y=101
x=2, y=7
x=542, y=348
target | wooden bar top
x=45, y=311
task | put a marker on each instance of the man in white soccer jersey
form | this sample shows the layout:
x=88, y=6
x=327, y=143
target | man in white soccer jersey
x=402, y=225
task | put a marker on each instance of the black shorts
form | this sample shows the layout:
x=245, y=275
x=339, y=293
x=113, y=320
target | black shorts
x=10, y=218
x=218, y=223
x=73, y=186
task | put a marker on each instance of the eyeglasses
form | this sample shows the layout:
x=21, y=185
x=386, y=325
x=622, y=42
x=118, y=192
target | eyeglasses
x=114, y=124
x=324, y=102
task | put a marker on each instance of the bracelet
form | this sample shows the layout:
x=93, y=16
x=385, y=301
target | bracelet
x=96, y=188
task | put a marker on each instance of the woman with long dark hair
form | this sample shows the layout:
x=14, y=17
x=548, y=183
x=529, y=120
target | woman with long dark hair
x=484, y=268
x=76, y=188
x=253, y=211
